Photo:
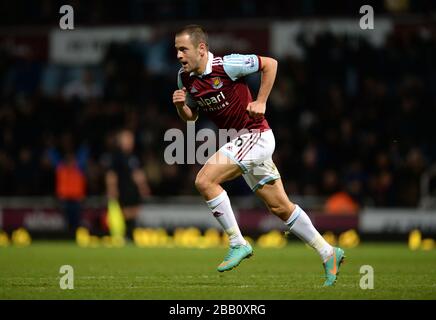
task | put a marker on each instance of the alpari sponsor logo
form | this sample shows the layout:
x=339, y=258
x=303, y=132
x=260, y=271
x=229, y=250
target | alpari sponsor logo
x=218, y=99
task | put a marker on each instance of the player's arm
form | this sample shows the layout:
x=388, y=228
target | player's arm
x=186, y=106
x=241, y=65
x=268, y=70
x=112, y=185
x=184, y=111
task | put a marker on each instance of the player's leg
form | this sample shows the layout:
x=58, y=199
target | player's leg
x=130, y=202
x=217, y=170
x=298, y=222
x=278, y=203
x=130, y=214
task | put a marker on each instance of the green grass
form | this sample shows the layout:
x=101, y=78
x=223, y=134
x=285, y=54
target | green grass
x=294, y=272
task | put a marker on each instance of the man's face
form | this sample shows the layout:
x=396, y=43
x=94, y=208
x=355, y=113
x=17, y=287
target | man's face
x=189, y=55
x=126, y=141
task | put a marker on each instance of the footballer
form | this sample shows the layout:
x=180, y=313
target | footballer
x=215, y=86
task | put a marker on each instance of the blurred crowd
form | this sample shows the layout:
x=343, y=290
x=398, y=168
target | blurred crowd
x=358, y=118
x=347, y=117
x=97, y=12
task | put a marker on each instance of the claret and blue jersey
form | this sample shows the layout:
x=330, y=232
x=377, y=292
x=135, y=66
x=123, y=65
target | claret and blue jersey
x=221, y=91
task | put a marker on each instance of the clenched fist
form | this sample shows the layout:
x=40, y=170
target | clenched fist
x=256, y=109
x=179, y=97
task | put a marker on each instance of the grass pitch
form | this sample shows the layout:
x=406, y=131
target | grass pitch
x=293, y=272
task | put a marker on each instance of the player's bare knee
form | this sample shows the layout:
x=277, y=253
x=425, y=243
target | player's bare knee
x=202, y=183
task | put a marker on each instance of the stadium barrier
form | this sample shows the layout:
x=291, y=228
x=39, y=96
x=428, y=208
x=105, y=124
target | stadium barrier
x=42, y=217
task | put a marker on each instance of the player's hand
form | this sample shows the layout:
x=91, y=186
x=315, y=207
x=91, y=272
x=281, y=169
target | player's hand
x=256, y=109
x=179, y=97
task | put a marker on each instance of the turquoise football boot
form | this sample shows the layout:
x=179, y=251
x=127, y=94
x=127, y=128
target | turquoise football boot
x=331, y=266
x=235, y=256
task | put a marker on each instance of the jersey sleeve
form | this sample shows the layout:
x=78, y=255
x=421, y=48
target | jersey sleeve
x=240, y=65
x=189, y=101
x=179, y=79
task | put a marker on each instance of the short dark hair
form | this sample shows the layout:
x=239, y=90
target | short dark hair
x=196, y=33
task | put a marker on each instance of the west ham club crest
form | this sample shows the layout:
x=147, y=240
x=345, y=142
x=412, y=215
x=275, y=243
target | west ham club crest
x=217, y=83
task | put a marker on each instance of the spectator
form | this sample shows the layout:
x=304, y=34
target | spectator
x=84, y=88
x=70, y=184
x=341, y=203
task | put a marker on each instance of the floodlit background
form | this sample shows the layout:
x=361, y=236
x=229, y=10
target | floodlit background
x=353, y=111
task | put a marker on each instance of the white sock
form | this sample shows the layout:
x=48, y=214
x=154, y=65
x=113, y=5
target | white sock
x=299, y=224
x=222, y=211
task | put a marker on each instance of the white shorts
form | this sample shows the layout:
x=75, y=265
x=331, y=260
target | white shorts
x=253, y=153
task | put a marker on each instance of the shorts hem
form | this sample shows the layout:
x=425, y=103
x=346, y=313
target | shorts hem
x=231, y=157
x=264, y=181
